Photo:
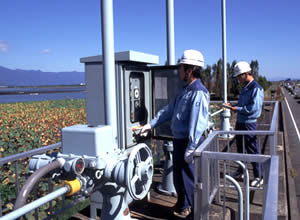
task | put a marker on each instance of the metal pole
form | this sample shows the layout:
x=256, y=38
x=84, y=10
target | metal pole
x=109, y=64
x=35, y=204
x=170, y=33
x=226, y=113
x=224, y=52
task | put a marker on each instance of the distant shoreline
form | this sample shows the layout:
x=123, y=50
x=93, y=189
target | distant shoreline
x=43, y=86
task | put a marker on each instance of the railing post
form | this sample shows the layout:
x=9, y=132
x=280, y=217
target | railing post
x=0, y=205
x=270, y=205
x=36, y=214
x=273, y=144
x=197, y=188
x=50, y=189
x=17, y=178
x=266, y=166
x=274, y=128
x=218, y=196
x=204, y=193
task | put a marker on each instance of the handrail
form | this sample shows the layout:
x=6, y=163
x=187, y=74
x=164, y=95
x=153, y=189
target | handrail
x=206, y=156
x=274, y=121
x=15, y=157
x=271, y=193
x=216, y=112
x=37, y=203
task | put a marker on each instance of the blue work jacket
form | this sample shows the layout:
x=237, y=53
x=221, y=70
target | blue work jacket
x=189, y=114
x=250, y=103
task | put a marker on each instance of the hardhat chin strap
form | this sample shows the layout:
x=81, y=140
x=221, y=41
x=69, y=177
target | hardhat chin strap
x=186, y=76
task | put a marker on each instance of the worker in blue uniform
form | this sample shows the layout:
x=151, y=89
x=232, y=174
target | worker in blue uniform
x=248, y=109
x=188, y=113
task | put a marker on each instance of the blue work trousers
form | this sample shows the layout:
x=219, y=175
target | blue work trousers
x=183, y=175
x=251, y=145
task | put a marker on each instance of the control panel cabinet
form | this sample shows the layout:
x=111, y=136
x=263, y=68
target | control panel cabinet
x=137, y=101
x=166, y=83
x=141, y=91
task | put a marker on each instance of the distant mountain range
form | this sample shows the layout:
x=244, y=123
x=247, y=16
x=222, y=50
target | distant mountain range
x=282, y=78
x=19, y=77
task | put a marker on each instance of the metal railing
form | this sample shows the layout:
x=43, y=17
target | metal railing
x=14, y=161
x=214, y=150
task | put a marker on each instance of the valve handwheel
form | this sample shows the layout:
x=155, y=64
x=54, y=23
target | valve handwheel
x=139, y=171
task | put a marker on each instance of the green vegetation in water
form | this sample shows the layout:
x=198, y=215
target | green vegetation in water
x=28, y=125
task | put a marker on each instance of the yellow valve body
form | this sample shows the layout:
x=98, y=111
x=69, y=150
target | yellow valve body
x=74, y=185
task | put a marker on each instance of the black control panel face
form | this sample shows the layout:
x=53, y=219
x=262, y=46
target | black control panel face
x=137, y=97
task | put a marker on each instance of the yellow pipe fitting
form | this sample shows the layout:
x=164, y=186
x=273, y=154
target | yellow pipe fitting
x=74, y=186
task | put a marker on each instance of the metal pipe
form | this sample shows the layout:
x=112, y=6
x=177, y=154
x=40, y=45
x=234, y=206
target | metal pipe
x=33, y=179
x=226, y=114
x=69, y=205
x=224, y=52
x=216, y=112
x=170, y=33
x=238, y=188
x=109, y=65
x=167, y=185
x=35, y=204
x=253, y=158
x=245, y=170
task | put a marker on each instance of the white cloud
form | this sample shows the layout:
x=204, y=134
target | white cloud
x=3, y=46
x=45, y=51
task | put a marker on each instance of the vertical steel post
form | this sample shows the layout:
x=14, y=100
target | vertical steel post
x=0, y=205
x=167, y=186
x=197, y=188
x=17, y=178
x=218, y=195
x=109, y=65
x=224, y=50
x=267, y=166
x=170, y=33
x=50, y=189
x=36, y=214
x=226, y=113
x=204, y=195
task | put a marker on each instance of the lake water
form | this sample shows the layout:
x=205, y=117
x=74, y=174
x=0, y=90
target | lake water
x=33, y=94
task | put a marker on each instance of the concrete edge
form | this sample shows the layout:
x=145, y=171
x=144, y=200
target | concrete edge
x=293, y=210
x=282, y=212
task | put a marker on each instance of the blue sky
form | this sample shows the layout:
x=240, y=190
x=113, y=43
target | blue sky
x=52, y=35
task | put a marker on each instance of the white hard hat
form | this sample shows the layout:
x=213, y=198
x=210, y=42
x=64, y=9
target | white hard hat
x=240, y=68
x=192, y=57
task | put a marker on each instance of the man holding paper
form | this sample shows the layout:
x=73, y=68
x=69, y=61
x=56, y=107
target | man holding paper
x=248, y=109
